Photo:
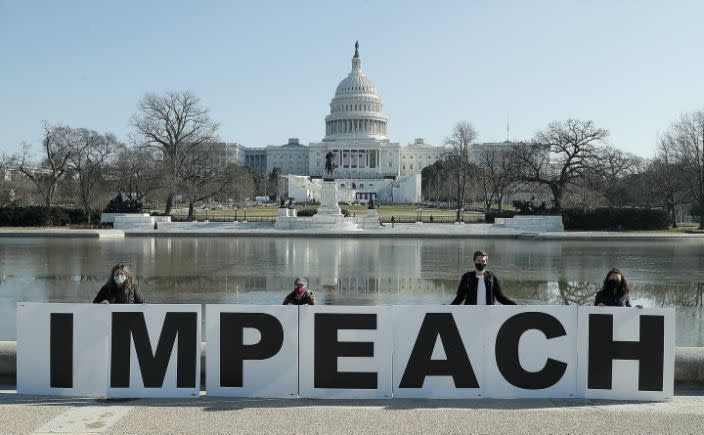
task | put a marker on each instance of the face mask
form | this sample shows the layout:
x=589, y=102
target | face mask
x=119, y=278
x=612, y=284
x=480, y=267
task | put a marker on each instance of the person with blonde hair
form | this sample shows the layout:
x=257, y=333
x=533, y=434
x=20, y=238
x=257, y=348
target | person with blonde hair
x=120, y=288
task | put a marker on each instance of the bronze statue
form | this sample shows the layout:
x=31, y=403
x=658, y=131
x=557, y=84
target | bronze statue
x=329, y=164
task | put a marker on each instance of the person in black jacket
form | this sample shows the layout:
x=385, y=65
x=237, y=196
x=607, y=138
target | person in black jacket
x=614, y=292
x=480, y=286
x=120, y=288
x=300, y=294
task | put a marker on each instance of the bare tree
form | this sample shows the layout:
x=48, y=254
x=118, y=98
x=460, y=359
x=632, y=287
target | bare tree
x=6, y=191
x=89, y=153
x=175, y=124
x=665, y=179
x=49, y=170
x=619, y=176
x=496, y=175
x=688, y=145
x=458, y=160
x=241, y=186
x=560, y=155
x=204, y=177
x=134, y=172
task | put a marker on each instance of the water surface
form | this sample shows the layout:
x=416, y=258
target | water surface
x=351, y=271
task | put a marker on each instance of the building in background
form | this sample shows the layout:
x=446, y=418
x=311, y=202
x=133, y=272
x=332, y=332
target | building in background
x=369, y=165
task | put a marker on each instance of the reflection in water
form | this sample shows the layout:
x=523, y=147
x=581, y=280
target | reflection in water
x=350, y=272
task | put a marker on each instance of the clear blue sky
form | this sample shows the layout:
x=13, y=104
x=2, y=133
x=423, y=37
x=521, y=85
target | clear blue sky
x=267, y=70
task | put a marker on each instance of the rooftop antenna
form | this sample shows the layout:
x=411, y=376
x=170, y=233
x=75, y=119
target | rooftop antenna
x=507, y=128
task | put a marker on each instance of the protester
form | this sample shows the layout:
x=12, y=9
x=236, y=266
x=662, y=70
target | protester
x=480, y=286
x=300, y=294
x=120, y=288
x=614, y=292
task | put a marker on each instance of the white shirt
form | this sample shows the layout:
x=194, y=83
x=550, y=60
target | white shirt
x=481, y=291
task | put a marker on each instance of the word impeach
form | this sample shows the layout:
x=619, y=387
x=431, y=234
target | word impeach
x=346, y=352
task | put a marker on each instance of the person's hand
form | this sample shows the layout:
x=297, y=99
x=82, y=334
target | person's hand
x=601, y=305
x=639, y=306
x=104, y=301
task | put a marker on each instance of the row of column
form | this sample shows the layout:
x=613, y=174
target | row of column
x=369, y=159
x=355, y=125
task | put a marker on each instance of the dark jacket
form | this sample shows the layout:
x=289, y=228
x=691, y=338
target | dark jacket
x=467, y=290
x=612, y=299
x=117, y=296
x=307, y=299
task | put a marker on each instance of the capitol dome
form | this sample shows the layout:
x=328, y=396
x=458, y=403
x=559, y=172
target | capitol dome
x=356, y=109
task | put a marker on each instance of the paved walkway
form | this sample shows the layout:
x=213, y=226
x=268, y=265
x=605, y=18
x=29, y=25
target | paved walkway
x=32, y=414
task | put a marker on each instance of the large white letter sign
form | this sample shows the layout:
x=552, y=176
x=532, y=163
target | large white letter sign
x=252, y=350
x=345, y=352
x=154, y=351
x=531, y=351
x=61, y=349
x=438, y=351
x=626, y=353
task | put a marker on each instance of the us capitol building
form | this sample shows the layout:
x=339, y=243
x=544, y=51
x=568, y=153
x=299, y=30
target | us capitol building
x=368, y=164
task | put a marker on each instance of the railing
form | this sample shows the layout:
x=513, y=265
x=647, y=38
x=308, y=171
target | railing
x=428, y=220
x=271, y=219
x=224, y=218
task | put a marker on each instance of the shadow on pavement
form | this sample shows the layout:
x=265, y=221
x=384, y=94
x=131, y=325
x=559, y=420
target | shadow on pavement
x=215, y=404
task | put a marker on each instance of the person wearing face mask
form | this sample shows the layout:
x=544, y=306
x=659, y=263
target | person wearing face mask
x=300, y=294
x=480, y=286
x=120, y=288
x=614, y=292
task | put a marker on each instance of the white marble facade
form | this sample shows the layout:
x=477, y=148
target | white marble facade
x=356, y=133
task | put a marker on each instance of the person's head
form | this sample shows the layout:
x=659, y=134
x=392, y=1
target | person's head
x=480, y=260
x=300, y=285
x=616, y=281
x=120, y=277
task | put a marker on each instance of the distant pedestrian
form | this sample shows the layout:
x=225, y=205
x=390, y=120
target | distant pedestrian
x=120, y=288
x=614, y=291
x=480, y=286
x=431, y=218
x=300, y=294
x=393, y=222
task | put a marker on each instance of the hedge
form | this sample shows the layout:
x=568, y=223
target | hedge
x=615, y=219
x=310, y=211
x=601, y=219
x=36, y=216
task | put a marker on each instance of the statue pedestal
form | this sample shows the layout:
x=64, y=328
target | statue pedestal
x=328, y=211
x=329, y=216
x=285, y=218
x=371, y=221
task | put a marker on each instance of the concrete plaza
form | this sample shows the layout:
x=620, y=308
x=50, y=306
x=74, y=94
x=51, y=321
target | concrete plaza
x=33, y=414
